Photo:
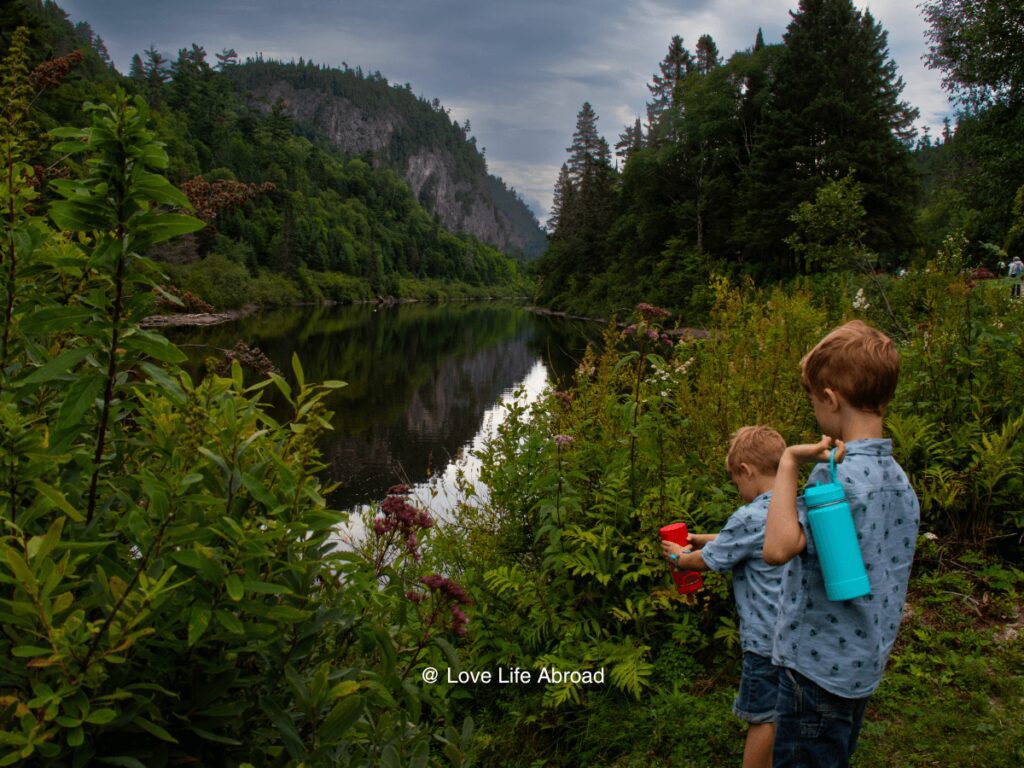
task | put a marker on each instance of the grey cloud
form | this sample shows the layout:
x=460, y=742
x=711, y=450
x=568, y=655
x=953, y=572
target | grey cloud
x=518, y=70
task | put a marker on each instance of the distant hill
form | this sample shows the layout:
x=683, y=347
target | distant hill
x=362, y=114
x=294, y=212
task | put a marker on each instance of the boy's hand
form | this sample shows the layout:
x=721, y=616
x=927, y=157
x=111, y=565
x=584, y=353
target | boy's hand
x=669, y=548
x=808, y=453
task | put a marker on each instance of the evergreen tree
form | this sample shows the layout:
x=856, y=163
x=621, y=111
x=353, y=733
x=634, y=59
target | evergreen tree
x=136, y=70
x=677, y=62
x=101, y=51
x=561, y=205
x=835, y=109
x=226, y=58
x=589, y=150
x=706, y=56
x=630, y=140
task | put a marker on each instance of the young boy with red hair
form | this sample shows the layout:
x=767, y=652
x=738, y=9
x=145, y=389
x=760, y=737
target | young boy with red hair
x=831, y=654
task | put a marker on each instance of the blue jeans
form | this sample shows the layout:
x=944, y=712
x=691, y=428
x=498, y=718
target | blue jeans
x=759, y=690
x=815, y=728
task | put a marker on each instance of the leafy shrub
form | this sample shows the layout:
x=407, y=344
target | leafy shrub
x=171, y=586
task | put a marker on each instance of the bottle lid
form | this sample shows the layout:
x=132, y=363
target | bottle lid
x=823, y=493
x=826, y=493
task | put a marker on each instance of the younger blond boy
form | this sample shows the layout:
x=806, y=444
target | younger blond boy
x=831, y=654
x=753, y=457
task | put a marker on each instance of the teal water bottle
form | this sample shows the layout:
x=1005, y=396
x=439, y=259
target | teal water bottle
x=835, y=538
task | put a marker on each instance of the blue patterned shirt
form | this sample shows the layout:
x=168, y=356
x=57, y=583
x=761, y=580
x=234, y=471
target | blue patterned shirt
x=843, y=646
x=757, y=585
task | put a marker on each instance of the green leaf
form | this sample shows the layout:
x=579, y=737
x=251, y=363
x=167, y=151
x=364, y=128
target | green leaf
x=78, y=398
x=341, y=718
x=285, y=726
x=230, y=622
x=52, y=319
x=234, y=587
x=155, y=345
x=171, y=388
x=261, y=494
x=56, y=498
x=266, y=588
x=204, y=734
x=60, y=365
x=82, y=215
x=123, y=762
x=153, y=228
x=198, y=621
x=100, y=716
x=288, y=614
x=30, y=651
x=154, y=729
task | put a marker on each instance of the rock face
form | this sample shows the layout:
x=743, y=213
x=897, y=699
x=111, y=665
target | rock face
x=460, y=203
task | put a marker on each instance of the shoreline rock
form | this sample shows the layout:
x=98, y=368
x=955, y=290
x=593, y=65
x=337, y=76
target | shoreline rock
x=198, y=318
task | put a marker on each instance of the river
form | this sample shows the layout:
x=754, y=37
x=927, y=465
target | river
x=426, y=383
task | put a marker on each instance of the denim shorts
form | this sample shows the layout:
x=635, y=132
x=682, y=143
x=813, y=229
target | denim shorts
x=759, y=689
x=815, y=728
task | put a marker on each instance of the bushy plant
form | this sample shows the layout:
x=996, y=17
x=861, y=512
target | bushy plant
x=172, y=589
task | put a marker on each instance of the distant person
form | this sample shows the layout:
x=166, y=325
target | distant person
x=831, y=654
x=1016, y=272
x=752, y=461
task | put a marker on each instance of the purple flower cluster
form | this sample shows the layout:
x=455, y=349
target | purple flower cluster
x=651, y=312
x=451, y=593
x=628, y=331
x=563, y=440
x=402, y=519
x=564, y=398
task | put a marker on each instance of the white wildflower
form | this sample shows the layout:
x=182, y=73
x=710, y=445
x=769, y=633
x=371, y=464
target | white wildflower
x=860, y=301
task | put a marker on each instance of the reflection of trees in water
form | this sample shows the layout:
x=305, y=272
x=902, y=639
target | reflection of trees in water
x=420, y=377
x=442, y=415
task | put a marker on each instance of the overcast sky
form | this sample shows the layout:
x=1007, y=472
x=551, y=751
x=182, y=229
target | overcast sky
x=517, y=69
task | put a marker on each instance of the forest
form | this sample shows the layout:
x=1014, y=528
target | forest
x=290, y=218
x=795, y=158
x=172, y=591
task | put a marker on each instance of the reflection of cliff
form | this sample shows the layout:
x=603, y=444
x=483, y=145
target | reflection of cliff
x=442, y=415
x=420, y=377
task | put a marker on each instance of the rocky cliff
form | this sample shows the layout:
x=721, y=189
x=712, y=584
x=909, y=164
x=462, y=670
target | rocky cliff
x=417, y=140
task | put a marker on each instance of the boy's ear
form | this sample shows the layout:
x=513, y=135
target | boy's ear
x=746, y=470
x=832, y=398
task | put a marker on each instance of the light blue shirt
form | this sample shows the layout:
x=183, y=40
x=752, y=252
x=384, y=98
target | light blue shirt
x=843, y=646
x=757, y=585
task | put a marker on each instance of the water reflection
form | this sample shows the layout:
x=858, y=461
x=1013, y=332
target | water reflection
x=425, y=382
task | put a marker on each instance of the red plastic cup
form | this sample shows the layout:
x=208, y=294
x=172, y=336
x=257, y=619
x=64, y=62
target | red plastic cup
x=686, y=581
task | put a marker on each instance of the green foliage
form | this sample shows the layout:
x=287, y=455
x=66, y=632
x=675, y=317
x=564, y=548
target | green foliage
x=830, y=230
x=566, y=541
x=327, y=213
x=171, y=588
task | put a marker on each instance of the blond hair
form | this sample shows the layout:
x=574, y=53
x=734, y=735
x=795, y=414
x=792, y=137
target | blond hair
x=760, y=447
x=857, y=361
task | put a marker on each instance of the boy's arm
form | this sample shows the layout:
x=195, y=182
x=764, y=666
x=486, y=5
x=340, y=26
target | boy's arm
x=686, y=559
x=698, y=540
x=784, y=537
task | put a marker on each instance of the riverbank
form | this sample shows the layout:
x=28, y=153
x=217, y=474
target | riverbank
x=682, y=332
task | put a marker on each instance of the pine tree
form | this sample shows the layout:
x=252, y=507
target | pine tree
x=588, y=148
x=561, y=205
x=630, y=140
x=137, y=71
x=226, y=58
x=673, y=68
x=835, y=108
x=706, y=57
